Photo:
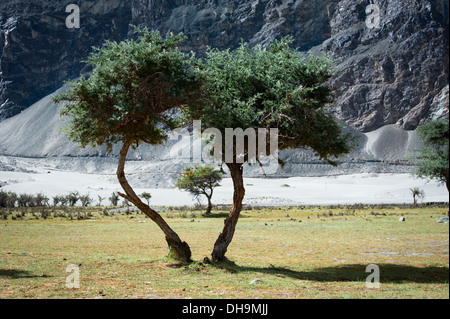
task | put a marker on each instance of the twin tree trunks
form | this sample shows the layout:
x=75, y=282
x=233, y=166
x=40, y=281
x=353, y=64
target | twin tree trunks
x=179, y=249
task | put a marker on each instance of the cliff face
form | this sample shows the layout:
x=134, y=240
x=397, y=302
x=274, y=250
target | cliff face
x=38, y=52
x=397, y=73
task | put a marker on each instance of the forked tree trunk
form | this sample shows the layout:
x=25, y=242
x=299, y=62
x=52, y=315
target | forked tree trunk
x=224, y=239
x=178, y=249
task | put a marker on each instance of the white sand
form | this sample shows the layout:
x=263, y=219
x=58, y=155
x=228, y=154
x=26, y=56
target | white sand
x=343, y=189
x=32, y=141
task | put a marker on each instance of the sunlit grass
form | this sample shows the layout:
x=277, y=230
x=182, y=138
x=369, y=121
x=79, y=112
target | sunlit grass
x=303, y=252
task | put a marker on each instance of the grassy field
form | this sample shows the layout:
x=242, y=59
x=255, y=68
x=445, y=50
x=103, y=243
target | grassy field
x=303, y=252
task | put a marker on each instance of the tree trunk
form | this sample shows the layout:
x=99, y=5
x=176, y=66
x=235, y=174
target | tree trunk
x=447, y=184
x=178, y=249
x=224, y=239
x=209, y=208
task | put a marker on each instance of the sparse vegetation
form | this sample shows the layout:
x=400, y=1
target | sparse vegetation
x=147, y=197
x=432, y=161
x=73, y=198
x=119, y=261
x=417, y=193
x=114, y=199
x=86, y=200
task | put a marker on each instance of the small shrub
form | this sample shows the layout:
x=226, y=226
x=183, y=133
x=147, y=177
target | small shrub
x=183, y=215
x=114, y=199
x=8, y=199
x=73, y=198
x=45, y=214
x=86, y=200
x=40, y=200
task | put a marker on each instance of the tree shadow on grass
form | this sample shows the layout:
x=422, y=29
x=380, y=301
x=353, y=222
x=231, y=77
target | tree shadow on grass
x=19, y=274
x=221, y=215
x=389, y=273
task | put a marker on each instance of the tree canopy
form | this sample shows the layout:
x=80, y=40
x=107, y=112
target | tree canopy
x=200, y=180
x=274, y=87
x=432, y=160
x=132, y=87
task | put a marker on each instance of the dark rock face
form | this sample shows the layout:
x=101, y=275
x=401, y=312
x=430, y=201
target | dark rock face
x=38, y=52
x=223, y=24
x=397, y=73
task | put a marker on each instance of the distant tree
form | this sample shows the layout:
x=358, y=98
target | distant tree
x=73, y=198
x=86, y=200
x=41, y=200
x=432, y=161
x=8, y=199
x=114, y=199
x=147, y=197
x=127, y=100
x=200, y=180
x=100, y=199
x=56, y=200
x=64, y=200
x=25, y=200
x=417, y=193
x=263, y=88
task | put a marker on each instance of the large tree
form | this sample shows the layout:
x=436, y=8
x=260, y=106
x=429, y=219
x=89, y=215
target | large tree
x=126, y=101
x=432, y=160
x=263, y=88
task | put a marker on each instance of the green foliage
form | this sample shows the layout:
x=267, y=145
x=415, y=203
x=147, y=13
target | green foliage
x=56, y=200
x=64, y=200
x=277, y=87
x=73, y=198
x=8, y=199
x=417, y=193
x=86, y=200
x=132, y=87
x=199, y=180
x=41, y=200
x=432, y=160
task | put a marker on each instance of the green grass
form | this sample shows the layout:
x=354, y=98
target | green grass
x=303, y=252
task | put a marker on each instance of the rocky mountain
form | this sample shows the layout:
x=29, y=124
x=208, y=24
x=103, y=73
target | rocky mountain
x=38, y=52
x=392, y=57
